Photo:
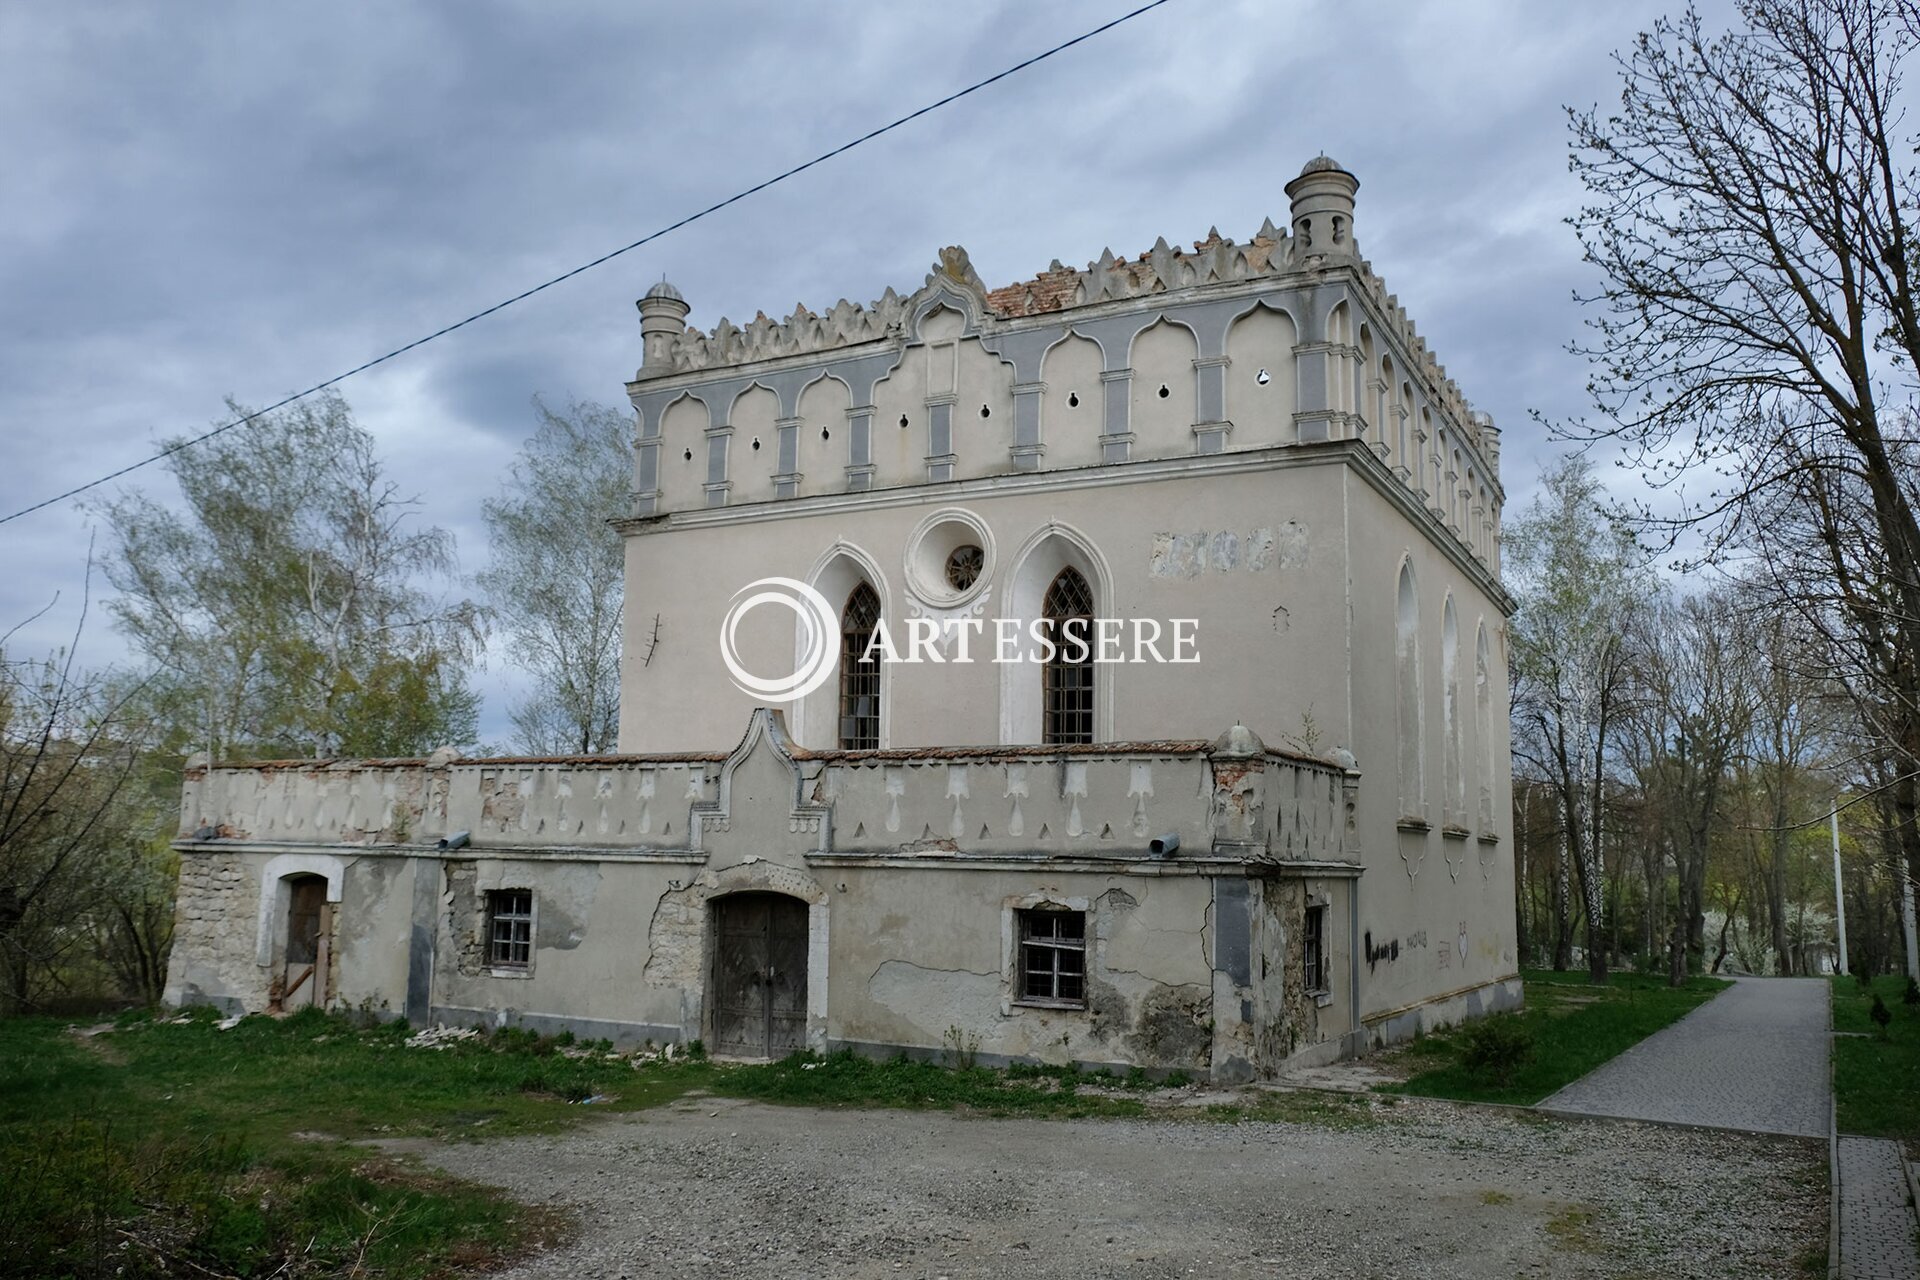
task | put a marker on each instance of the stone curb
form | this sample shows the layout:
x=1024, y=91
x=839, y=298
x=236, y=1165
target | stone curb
x=1833, y=1181
x=1560, y=1114
x=1833, y=1154
x=1537, y=1109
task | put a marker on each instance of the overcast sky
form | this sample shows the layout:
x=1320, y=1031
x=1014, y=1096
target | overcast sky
x=242, y=199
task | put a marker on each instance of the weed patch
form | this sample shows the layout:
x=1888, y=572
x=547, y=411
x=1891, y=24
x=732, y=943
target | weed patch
x=1572, y=1227
x=126, y=1184
x=1300, y=1106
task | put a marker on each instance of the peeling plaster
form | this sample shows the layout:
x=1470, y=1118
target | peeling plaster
x=933, y=1000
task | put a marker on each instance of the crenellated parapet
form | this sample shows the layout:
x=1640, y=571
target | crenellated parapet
x=1227, y=347
x=1433, y=374
x=1162, y=269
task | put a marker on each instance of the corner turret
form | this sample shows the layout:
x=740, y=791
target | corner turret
x=663, y=317
x=1323, y=208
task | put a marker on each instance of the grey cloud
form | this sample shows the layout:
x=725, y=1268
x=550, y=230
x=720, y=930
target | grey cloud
x=243, y=199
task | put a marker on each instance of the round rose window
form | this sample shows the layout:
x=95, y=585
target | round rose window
x=963, y=566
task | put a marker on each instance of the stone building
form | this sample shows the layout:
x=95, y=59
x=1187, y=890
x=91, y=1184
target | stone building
x=1158, y=708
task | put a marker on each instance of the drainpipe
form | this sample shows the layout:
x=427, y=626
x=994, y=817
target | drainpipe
x=1348, y=849
x=439, y=880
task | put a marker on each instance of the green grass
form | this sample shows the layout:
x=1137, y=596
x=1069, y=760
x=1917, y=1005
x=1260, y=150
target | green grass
x=844, y=1080
x=847, y=1080
x=1876, y=1076
x=1574, y=1028
x=167, y=1148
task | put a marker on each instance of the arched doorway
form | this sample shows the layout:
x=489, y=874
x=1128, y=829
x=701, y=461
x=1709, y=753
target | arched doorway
x=758, y=990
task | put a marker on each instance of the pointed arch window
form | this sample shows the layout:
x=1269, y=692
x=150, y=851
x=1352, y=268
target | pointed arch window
x=1453, y=773
x=1411, y=722
x=1067, y=714
x=1483, y=727
x=859, y=673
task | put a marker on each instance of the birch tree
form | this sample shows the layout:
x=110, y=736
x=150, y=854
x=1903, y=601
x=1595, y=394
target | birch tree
x=295, y=603
x=1580, y=584
x=557, y=575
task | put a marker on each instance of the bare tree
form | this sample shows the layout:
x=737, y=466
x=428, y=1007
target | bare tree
x=1689, y=726
x=1796, y=738
x=1759, y=316
x=69, y=745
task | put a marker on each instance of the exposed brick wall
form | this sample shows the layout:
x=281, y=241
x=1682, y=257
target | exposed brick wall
x=466, y=919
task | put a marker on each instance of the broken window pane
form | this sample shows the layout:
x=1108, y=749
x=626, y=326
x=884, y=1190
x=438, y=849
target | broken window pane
x=510, y=928
x=1313, y=947
x=1053, y=956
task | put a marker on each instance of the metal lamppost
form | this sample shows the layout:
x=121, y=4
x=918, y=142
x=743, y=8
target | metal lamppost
x=1839, y=892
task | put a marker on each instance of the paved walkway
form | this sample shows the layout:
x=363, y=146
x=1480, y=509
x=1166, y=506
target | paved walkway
x=1754, y=1057
x=1876, y=1224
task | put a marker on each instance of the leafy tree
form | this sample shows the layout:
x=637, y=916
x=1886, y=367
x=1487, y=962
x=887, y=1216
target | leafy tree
x=557, y=576
x=1581, y=586
x=290, y=605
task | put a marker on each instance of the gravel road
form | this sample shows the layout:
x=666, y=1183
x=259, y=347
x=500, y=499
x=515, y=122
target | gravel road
x=711, y=1188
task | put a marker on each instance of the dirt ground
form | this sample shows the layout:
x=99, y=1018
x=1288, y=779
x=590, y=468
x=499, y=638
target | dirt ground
x=709, y=1188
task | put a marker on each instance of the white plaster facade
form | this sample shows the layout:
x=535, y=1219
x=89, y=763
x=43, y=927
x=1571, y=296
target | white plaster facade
x=1249, y=436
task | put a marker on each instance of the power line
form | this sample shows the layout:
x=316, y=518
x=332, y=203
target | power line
x=604, y=258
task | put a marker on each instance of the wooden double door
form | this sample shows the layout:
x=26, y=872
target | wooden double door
x=758, y=995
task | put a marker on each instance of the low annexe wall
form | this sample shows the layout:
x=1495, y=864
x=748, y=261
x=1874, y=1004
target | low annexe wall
x=1202, y=874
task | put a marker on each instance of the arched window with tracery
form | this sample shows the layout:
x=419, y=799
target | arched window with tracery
x=1068, y=683
x=859, y=673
